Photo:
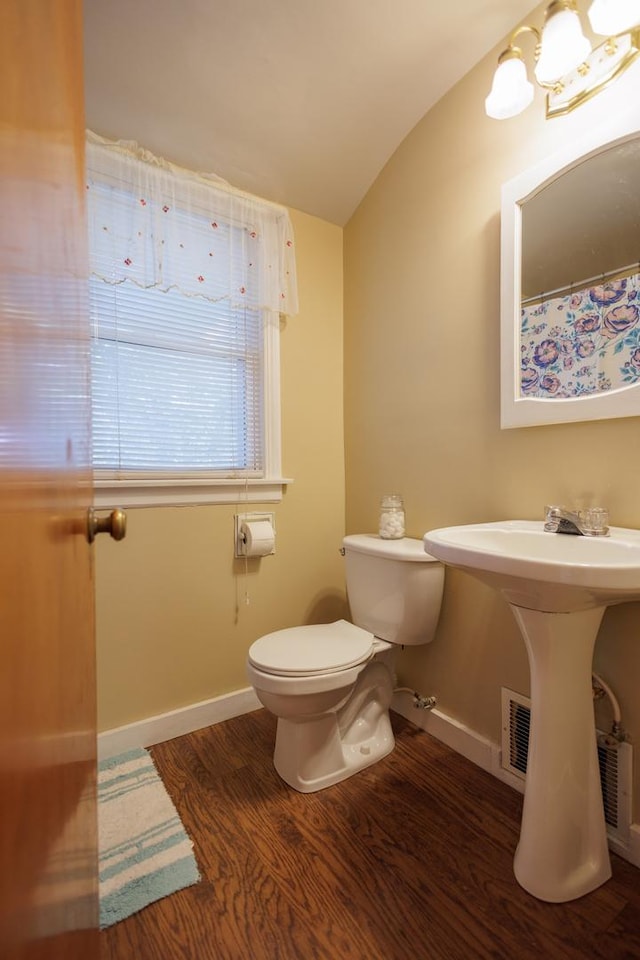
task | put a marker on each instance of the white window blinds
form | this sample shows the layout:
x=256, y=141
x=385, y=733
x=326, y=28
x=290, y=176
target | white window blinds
x=187, y=281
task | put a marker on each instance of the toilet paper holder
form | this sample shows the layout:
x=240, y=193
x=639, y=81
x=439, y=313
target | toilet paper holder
x=254, y=534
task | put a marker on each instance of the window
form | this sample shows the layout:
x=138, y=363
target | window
x=187, y=282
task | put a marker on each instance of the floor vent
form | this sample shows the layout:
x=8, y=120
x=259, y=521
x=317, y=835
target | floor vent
x=614, y=758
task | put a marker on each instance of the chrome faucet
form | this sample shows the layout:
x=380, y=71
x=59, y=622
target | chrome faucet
x=589, y=523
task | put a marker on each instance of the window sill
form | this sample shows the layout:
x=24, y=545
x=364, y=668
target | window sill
x=165, y=493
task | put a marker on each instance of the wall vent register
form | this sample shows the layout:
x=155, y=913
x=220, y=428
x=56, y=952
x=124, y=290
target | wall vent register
x=615, y=762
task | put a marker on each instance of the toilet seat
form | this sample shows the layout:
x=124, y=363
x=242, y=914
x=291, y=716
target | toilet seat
x=315, y=649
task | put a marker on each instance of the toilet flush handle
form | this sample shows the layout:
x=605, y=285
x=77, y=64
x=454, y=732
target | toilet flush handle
x=115, y=524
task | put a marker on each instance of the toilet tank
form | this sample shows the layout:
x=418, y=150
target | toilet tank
x=394, y=588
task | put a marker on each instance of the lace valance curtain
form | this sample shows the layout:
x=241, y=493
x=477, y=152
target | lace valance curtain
x=186, y=231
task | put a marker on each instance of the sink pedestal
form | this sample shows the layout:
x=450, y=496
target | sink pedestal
x=562, y=853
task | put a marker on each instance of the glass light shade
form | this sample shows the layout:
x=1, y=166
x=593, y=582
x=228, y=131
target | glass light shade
x=563, y=47
x=610, y=17
x=511, y=92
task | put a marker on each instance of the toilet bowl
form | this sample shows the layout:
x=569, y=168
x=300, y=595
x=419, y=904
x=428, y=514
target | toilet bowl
x=331, y=685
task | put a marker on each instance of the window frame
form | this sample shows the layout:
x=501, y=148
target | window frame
x=154, y=491
x=111, y=163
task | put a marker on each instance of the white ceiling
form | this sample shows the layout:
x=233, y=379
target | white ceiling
x=298, y=101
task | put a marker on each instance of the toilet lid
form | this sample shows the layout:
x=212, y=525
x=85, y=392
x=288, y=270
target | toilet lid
x=318, y=648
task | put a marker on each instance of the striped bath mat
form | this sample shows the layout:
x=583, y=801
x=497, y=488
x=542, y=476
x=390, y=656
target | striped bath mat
x=145, y=853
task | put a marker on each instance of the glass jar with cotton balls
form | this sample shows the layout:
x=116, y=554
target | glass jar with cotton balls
x=391, y=525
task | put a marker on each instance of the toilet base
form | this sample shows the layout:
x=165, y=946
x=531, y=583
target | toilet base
x=313, y=754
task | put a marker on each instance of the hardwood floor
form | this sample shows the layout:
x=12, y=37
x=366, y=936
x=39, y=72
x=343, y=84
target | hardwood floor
x=411, y=858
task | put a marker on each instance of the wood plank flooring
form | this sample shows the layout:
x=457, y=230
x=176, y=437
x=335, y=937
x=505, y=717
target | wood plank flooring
x=411, y=858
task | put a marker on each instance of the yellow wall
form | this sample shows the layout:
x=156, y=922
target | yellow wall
x=172, y=624
x=422, y=389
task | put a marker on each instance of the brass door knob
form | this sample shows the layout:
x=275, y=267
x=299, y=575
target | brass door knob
x=115, y=524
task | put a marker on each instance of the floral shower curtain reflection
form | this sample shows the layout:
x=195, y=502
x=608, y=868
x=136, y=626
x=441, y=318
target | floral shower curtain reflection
x=582, y=343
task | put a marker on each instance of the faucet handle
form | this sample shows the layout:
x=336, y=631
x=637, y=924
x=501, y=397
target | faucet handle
x=595, y=521
x=552, y=515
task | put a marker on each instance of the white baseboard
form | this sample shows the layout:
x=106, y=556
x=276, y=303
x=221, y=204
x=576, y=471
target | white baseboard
x=633, y=846
x=456, y=735
x=166, y=726
x=487, y=755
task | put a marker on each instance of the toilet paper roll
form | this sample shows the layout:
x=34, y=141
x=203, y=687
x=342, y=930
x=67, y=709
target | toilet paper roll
x=259, y=538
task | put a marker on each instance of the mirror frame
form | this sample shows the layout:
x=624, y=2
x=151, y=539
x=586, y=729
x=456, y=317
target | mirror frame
x=516, y=410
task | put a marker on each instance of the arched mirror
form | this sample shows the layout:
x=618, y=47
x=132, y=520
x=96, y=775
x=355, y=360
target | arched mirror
x=571, y=284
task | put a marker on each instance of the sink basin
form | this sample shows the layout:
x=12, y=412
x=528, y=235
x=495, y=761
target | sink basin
x=558, y=587
x=544, y=571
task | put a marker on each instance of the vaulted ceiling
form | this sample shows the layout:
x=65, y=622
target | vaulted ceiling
x=298, y=101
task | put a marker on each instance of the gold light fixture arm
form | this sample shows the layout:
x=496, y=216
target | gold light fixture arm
x=513, y=52
x=525, y=28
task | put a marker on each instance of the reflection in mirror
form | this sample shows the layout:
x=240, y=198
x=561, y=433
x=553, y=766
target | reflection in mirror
x=570, y=288
x=580, y=279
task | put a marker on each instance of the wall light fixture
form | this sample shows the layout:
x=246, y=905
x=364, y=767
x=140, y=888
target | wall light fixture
x=565, y=65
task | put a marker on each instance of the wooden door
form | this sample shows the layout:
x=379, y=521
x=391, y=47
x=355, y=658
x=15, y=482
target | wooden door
x=48, y=869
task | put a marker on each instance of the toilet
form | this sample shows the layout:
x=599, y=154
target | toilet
x=330, y=685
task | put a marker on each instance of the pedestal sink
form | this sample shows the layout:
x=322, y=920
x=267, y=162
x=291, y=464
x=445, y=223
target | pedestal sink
x=558, y=587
